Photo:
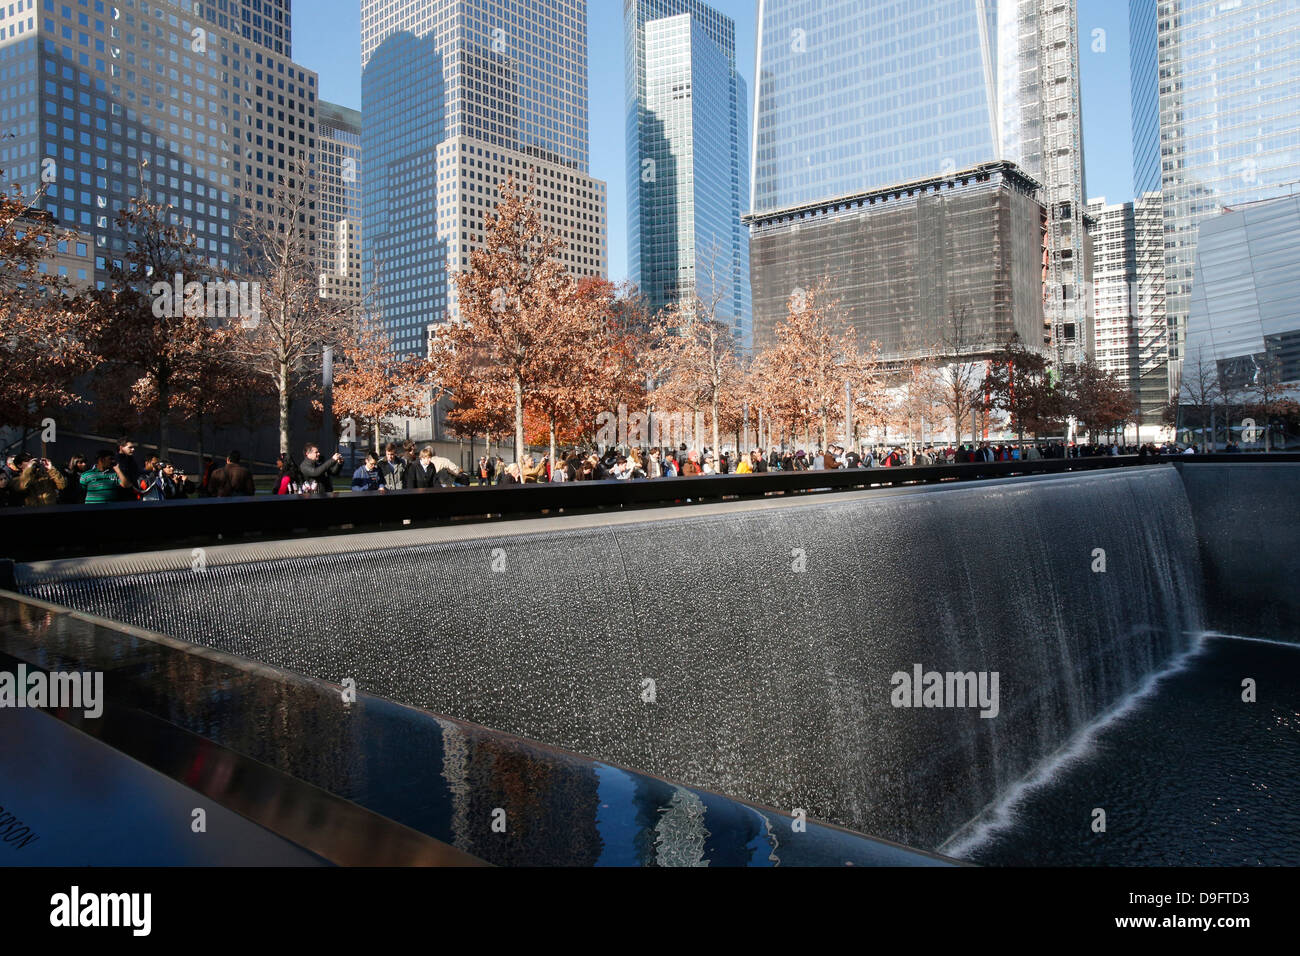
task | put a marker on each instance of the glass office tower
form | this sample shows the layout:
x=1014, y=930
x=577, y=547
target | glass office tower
x=338, y=203
x=854, y=97
x=93, y=106
x=687, y=162
x=268, y=23
x=1243, y=323
x=505, y=82
x=1218, y=111
x=1149, y=289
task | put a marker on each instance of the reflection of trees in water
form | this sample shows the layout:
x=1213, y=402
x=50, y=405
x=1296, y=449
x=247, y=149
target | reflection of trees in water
x=550, y=802
x=680, y=832
x=266, y=719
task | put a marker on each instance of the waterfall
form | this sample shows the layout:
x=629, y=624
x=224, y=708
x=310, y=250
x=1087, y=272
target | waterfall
x=751, y=648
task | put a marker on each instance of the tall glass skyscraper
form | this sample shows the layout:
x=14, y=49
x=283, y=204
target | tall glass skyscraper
x=95, y=105
x=338, y=203
x=1149, y=289
x=1216, y=116
x=268, y=23
x=1144, y=93
x=687, y=162
x=456, y=95
x=854, y=97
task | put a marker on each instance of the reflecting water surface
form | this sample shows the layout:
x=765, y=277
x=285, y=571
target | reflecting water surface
x=365, y=780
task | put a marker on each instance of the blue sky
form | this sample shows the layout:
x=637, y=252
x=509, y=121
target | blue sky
x=326, y=39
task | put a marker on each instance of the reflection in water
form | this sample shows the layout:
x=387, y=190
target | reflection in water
x=680, y=833
x=198, y=716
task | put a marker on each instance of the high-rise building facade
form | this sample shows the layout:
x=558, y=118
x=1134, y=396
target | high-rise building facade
x=571, y=205
x=687, y=159
x=943, y=266
x=853, y=97
x=507, y=81
x=1144, y=91
x=95, y=104
x=1215, y=117
x=338, y=202
x=268, y=23
x=1243, y=329
x=1045, y=109
x=1148, y=303
x=1114, y=282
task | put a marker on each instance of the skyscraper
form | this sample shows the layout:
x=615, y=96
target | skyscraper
x=456, y=95
x=1243, y=327
x=853, y=98
x=1114, y=282
x=268, y=23
x=687, y=159
x=1148, y=304
x=1144, y=91
x=1214, y=120
x=338, y=204
x=93, y=106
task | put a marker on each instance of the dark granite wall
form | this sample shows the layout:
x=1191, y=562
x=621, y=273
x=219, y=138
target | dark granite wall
x=1247, y=517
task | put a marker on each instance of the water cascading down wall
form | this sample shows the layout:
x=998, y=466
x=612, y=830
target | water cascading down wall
x=748, y=648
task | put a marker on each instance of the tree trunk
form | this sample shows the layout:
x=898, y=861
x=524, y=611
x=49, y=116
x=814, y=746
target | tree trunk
x=282, y=386
x=198, y=418
x=519, y=420
x=164, y=429
x=715, y=425
x=552, y=424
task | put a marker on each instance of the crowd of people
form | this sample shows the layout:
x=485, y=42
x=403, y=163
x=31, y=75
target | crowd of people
x=114, y=476
x=26, y=480
x=579, y=465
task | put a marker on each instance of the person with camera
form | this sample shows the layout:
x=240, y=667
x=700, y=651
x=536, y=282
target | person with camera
x=104, y=483
x=149, y=486
x=175, y=483
x=73, y=493
x=317, y=472
x=40, y=483
x=128, y=470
